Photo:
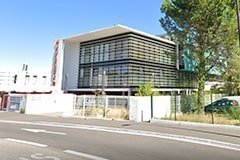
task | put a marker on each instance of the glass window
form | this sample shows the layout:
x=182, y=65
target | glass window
x=118, y=54
x=95, y=76
x=124, y=53
x=101, y=48
x=111, y=70
x=96, y=57
x=112, y=55
x=101, y=57
x=119, y=44
x=44, y=80
x=91, y=57
x=96, y=49
x=106, y=55
x=141, y=70
x=86, y=59
x=124, y=69
x=81, y=73
x=27, y=79
x=34, y=79
x=92, y=49
x=118, y=70
x=100, y=71
x=83, y=50
x=106, y=47
x=82, y=54
x=95, y=72
x=125, y=44
x=112, y=47
x=91, y=76
x=82, y=58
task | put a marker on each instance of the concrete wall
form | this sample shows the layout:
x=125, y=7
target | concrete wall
x=49, y=103
x=70, y=66
x=140, y=108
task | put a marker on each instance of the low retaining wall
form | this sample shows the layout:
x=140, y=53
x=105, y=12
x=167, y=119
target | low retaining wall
x=49, y=103
x=140, y=108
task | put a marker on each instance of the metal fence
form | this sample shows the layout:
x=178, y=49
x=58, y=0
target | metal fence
x=188, y=103
x=175, y=103
x=115, y=107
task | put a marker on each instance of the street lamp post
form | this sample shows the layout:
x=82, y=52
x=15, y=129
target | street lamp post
x=104, y=94
x=103, y=83
x=153, y=79
x=153, y=74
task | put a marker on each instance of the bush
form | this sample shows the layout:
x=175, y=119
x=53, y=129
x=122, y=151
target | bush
x=22, y=110
x=146, y=90
x=188, y=103
x=233, y=113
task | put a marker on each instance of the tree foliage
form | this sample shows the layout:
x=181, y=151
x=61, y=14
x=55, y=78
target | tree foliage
x=146, y=90
x=232, y=76
x=206, y=28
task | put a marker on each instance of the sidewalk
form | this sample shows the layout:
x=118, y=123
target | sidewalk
x=194, y=124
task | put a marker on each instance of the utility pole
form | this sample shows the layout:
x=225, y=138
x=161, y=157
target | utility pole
x=238, y=21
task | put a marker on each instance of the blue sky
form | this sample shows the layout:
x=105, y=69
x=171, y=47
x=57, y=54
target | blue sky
x=28, y=28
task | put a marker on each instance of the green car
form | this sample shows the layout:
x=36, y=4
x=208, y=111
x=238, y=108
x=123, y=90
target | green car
x=221, y=105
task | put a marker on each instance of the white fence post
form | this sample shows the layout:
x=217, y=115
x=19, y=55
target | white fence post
x=84, y=104
x=74, y=103
x=115, y=102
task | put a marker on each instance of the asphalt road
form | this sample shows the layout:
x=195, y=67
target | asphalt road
x=27, y=137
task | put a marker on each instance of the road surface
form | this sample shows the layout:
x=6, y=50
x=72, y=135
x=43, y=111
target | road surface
x=28, y=137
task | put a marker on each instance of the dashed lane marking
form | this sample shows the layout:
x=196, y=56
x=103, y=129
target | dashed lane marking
x=26, y=142
x=89, y=156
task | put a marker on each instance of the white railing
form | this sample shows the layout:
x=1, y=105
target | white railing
x=102, y=106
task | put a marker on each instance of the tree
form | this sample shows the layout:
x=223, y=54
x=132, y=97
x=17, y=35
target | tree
x=202, y=28
x=146, y=90
x=231, y=71
x=232, y=77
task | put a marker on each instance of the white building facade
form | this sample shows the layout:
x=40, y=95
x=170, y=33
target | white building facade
x=6, y=80
x=24, y=81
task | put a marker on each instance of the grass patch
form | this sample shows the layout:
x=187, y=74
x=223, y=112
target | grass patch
x=202, y=118
x=100, y=112
x=117, y=113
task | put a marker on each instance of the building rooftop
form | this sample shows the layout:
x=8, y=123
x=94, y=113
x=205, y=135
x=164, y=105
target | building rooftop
x=110, y=31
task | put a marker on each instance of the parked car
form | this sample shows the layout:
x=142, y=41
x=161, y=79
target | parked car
x=221, y=105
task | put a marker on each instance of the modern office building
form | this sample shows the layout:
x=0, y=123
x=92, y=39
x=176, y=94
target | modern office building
x=118, y=59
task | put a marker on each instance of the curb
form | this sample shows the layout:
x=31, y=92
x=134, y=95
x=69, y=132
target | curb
x=194, y=124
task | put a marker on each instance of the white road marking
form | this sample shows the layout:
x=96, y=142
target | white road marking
x=26, y=142
x=22, y=158
x=51, y=132
x=39, y=156
x=43, y=131
x=32, y=130
x=89, y=156
x=189, y=139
